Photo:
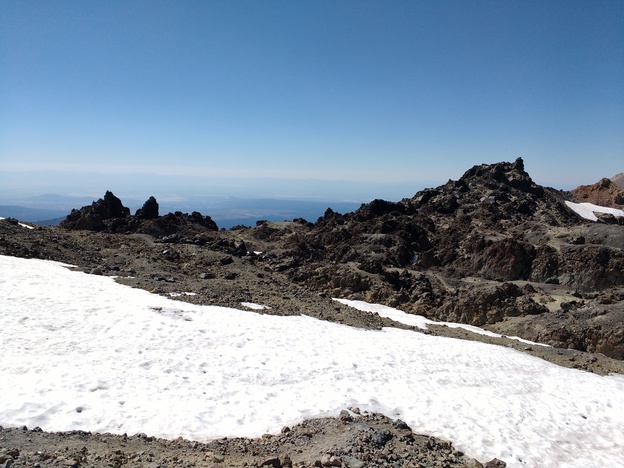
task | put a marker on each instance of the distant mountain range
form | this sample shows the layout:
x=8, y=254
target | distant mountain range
x=34, y=215
x=227, y=212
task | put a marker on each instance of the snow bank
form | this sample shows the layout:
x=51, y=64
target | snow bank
x=587, y=210
x=82, y=352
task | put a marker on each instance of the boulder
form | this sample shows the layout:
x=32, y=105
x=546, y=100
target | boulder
x=149, y=209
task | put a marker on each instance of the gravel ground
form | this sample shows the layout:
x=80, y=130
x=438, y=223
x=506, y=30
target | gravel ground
x=349, y=440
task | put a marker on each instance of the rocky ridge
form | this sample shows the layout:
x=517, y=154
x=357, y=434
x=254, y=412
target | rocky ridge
x=492, y=248
x=605, y=192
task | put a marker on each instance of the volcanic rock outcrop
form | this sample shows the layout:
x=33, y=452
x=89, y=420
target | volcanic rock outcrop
x=105, y=214
x=149, y=209
x=448, y=252
x=494, y=222
x=109, y=215
x=605, y=192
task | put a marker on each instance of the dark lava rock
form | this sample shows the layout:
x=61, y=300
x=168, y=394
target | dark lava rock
x=149, y=210
x=505, y=260
x=101, y=215
x=494, y=223
x=495, y=463
x=380, y=438
x=488, y=306
x=109, y=215
x=183, y=225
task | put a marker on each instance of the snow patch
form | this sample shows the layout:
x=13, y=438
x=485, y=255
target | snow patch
x=254, y=306
x=179, y=294
x=422, y=322
x=22, y=224
x=587, y=210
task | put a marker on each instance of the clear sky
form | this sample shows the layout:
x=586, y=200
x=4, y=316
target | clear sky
x=315, y=98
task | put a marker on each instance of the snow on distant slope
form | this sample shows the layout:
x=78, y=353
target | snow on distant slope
x=82, y=352
x=587, y=210
x=21, y=224
x=420, y=321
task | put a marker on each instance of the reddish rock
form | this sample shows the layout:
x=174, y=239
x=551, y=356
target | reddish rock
x=605, y=192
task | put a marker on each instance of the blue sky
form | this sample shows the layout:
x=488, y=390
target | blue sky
x=349, y=99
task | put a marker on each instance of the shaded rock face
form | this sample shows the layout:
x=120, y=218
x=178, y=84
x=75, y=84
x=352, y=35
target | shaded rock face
x=109, y=215
x=490, y=306
x=505, y=260
x=593, y=267
x=149, y=209
x=605, y=192
x=101, y=215
x=113, y=208
x=179, y=227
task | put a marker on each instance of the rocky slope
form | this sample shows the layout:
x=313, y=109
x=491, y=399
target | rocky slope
x=492, y=249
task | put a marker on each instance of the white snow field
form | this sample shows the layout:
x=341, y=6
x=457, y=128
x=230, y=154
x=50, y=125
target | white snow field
x=79, y=351
x=587, y=210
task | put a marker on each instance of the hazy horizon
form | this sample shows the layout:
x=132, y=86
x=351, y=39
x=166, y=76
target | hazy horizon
x=27, y=187
x=228, y=202
x=138, y=185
